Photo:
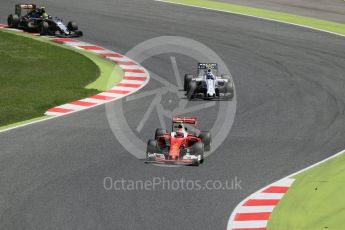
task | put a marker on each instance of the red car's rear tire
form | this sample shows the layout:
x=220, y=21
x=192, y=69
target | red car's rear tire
x=160, y=132
x=206, y=139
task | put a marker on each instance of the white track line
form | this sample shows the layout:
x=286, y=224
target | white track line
x=248, y=15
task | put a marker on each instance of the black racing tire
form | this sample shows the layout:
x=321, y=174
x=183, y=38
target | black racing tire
x=58, y=33
x=198, y=149
x=191, y=90
x=206, y=139
x=196, y=163
x=151, y=147
x=72, y=26
x=30, y=27
x=79, y=33
x=13, y=21
x=229, y=88
x=160, y=132
x=44, y=28
x=226, y=76
x=187, y=78
x=217, y=92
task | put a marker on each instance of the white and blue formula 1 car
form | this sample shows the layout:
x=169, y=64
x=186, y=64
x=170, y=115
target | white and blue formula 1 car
x=208, y=85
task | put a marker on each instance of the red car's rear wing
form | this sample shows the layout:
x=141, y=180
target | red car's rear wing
x=187, y=120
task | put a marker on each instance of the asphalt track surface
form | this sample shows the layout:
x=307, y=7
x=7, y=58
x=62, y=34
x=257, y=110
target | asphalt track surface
x=290, y=114
x=332, y=10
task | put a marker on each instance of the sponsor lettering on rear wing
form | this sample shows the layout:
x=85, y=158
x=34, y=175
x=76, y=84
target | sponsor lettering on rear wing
x=187, y=120
x=24, y=8
x=207, y=66
x=27, y=6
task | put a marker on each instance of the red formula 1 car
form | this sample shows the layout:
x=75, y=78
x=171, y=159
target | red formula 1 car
x=184, y=145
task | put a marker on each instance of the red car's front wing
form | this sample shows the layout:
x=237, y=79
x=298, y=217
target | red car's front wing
x=172, y=162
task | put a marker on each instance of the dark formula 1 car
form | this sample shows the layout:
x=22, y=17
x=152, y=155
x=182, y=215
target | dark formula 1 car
x=181, y=146
x=56, y=27
x=207, y=84
x=29, y=18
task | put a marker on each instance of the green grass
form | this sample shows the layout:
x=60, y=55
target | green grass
x=315, y=200
x=110, y=74
x=36, y=76
x=285, y=17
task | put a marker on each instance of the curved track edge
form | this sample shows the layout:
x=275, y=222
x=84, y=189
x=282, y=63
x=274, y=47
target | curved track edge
x=135, y=77
x=312, y=23
x=278, y=189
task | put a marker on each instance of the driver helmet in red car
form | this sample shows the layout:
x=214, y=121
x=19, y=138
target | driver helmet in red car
x=181, y=132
